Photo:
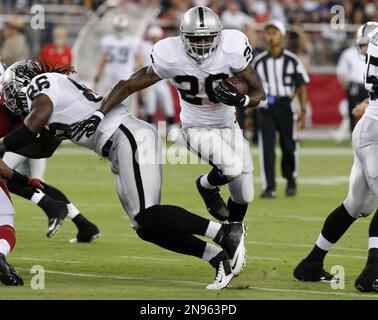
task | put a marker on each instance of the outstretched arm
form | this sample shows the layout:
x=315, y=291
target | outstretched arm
x=141, y=79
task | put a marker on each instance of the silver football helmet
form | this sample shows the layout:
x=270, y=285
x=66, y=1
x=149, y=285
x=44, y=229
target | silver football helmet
x=120, y=23
x=14, y=89
x=364, y=34
x=201, y=32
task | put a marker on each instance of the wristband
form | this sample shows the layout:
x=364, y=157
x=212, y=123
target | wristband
x=99, y=114
x=246, y=102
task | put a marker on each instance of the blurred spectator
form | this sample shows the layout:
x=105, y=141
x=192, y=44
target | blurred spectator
x=14, y=47
x=57, y=53
x=234, y=18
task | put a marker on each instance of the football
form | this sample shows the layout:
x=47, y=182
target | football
x=240, y=84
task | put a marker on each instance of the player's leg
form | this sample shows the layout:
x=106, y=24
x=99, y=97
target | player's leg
x=359, y=202
x=8, y=275
x=266, y=141
x=211, y=145
x=165, y=99
x=241, y=188
x=150, y=101
x=289, y=146
x=138, y=186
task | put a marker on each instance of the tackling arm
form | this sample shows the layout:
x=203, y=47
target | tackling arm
x=141, y=79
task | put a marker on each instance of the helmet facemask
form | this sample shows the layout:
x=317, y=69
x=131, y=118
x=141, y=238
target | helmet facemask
x=15, y=97
x=200, y=48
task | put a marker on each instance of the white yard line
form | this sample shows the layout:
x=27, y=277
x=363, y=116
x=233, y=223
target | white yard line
x=44, y=260
x=151, y=258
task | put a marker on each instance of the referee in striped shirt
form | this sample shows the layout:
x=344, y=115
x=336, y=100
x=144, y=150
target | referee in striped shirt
x=283, y=76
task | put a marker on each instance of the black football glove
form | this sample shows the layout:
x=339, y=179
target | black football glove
x=87, y=126
x=227, y=93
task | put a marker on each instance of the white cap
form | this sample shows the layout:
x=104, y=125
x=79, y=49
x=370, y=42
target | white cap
x=154, y=31
x=278, y=25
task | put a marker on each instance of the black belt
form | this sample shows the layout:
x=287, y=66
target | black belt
x=106, y=148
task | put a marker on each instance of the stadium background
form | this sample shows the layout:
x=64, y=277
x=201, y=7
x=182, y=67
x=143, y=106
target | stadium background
x=118, y=265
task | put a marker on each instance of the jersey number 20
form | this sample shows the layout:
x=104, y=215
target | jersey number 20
x=190, y=94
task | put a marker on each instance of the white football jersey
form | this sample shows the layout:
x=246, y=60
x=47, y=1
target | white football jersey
x=74, y=102
x=371, y=77
x=121, y=54
x=196, y=82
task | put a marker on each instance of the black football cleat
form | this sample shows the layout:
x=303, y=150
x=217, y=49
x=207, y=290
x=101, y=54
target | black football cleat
x=367, y=281
x=266, y=194
x=312, y=271
x=86, y=234
x=213, y=201
x=291, y=189
x=231, y=238
x=56, y=212
x=8, y=274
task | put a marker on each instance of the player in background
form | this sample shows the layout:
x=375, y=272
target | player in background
x=51, y=200
x=120, y=56
x=8, y=275
x=160, y=93
x=363, y=184
x=57, y=105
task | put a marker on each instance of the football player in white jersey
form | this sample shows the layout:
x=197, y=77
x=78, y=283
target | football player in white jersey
x=120, y=56
x=57, y=105
x=363, y=182
x=197, y=61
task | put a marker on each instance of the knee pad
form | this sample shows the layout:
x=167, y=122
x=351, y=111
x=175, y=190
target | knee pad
x=358, y=209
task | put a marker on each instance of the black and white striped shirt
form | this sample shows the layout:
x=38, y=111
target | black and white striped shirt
x=280, y=75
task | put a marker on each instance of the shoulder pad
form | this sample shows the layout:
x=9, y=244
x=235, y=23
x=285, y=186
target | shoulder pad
x=234, y=41
x=166, y=50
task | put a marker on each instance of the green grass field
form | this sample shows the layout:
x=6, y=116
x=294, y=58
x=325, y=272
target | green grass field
x=121, y=266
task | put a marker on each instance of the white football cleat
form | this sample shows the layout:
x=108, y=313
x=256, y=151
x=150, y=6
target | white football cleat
x=223, y=276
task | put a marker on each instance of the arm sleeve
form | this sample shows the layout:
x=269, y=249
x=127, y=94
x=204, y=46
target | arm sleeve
x=158, y=64
x=242, y=56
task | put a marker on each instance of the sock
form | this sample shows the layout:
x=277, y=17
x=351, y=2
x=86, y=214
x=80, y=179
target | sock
x=212, y=230
x=237, y=211
x=37, y=196
x=210, y=252
x=25, y=192
x=216, y=178
x=80, y=221
x=7, y=239
x=222, y=255
x=168, y=218
x=178, y=242
x=336, y=224
x=55, y=193
x=205, y=183
x=373, y=240
x=72, y=211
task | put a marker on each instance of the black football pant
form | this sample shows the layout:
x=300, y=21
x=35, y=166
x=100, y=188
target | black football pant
x=278, y=118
